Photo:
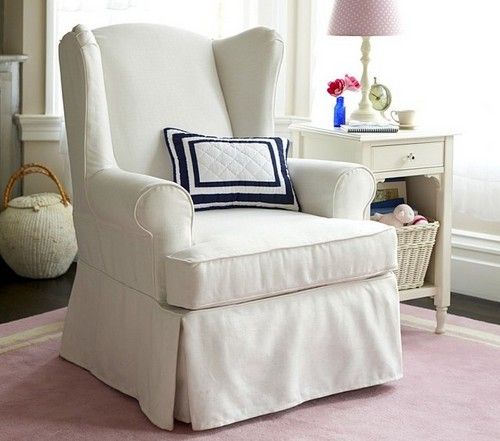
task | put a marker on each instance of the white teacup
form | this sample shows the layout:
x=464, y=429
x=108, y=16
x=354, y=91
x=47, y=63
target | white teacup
x=404, y=117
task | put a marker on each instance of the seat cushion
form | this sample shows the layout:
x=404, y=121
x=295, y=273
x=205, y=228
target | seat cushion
x=243, y=254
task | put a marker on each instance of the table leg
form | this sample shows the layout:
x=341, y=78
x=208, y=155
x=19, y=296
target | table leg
x=441, y=312
x=443, y=242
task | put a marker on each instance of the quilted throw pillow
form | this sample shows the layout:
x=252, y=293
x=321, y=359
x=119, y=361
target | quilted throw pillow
x=231, y=172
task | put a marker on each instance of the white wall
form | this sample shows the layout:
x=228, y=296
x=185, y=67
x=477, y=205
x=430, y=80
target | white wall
x=475, y=266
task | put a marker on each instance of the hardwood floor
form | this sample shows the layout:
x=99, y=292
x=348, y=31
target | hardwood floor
x=21, y=298
x=466, y=306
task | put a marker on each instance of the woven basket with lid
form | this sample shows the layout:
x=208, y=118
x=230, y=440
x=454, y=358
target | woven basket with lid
x=37, y=236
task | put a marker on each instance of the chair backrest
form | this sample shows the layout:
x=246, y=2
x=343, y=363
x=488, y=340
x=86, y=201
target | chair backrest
x=155, y=77
x=123, y=84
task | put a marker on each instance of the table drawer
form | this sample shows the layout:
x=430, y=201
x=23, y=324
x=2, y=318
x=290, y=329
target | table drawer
x=407, y=156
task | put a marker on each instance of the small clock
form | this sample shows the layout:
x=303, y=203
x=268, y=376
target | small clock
x=380, y=96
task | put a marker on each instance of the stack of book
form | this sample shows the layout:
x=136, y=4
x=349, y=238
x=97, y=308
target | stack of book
x=358, y=127
x=389, y=195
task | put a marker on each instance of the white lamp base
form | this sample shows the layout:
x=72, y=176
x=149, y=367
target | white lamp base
x=366, y=115
x=365, y=111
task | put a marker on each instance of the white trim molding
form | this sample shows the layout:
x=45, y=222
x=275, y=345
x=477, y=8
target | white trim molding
x=51, y=65
x=475, y=264
x=39, y=127
x=282, y=124
x=49, y=127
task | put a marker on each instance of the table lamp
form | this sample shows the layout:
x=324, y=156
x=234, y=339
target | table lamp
x=364, y=18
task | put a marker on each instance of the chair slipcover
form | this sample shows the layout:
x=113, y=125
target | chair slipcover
x=212, y=366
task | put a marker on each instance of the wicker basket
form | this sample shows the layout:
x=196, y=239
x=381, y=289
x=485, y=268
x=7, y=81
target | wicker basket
x=37, y=237
x=415, y=244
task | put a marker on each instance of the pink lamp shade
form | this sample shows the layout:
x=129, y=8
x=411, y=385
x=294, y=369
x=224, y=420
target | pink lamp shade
x=364, y=18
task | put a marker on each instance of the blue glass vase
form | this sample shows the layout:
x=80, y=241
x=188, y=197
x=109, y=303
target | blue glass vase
x=339, y=112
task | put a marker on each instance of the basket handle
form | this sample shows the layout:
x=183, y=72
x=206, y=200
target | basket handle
x=28, y=169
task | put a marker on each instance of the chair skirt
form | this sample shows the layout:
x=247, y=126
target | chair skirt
x=217, y=366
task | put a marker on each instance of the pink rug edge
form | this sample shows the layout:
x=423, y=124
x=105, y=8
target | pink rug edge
x=31, y=322
x=429, y=314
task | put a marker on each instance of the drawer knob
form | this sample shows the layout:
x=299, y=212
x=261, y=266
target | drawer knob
x=411, y=157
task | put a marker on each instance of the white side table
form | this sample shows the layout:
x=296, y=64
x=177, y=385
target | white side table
x=424, y=158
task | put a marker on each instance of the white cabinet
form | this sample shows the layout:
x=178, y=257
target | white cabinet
x=424, y=159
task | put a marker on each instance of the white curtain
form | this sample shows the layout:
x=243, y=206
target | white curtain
x=445, y=66
x=213, y=18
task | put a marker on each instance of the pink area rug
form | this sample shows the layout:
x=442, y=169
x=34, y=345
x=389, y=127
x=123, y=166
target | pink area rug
x=450, y=391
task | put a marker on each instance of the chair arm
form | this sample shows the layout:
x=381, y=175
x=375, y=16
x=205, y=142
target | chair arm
x=142, y=203
x=332, y=189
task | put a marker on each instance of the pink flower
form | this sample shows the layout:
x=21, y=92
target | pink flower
x=351, y=83
x=335, y=88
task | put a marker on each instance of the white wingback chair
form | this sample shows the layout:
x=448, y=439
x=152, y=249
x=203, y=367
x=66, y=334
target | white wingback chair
x=216, y=316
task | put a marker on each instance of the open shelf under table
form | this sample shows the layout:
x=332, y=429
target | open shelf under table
x=428, y=290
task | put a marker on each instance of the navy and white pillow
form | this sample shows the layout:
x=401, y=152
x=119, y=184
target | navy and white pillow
x=231, y=172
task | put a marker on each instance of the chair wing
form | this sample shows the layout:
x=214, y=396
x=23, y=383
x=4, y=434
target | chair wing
x=248, y=66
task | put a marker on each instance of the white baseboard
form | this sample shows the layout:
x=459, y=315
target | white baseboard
x=475, y=264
